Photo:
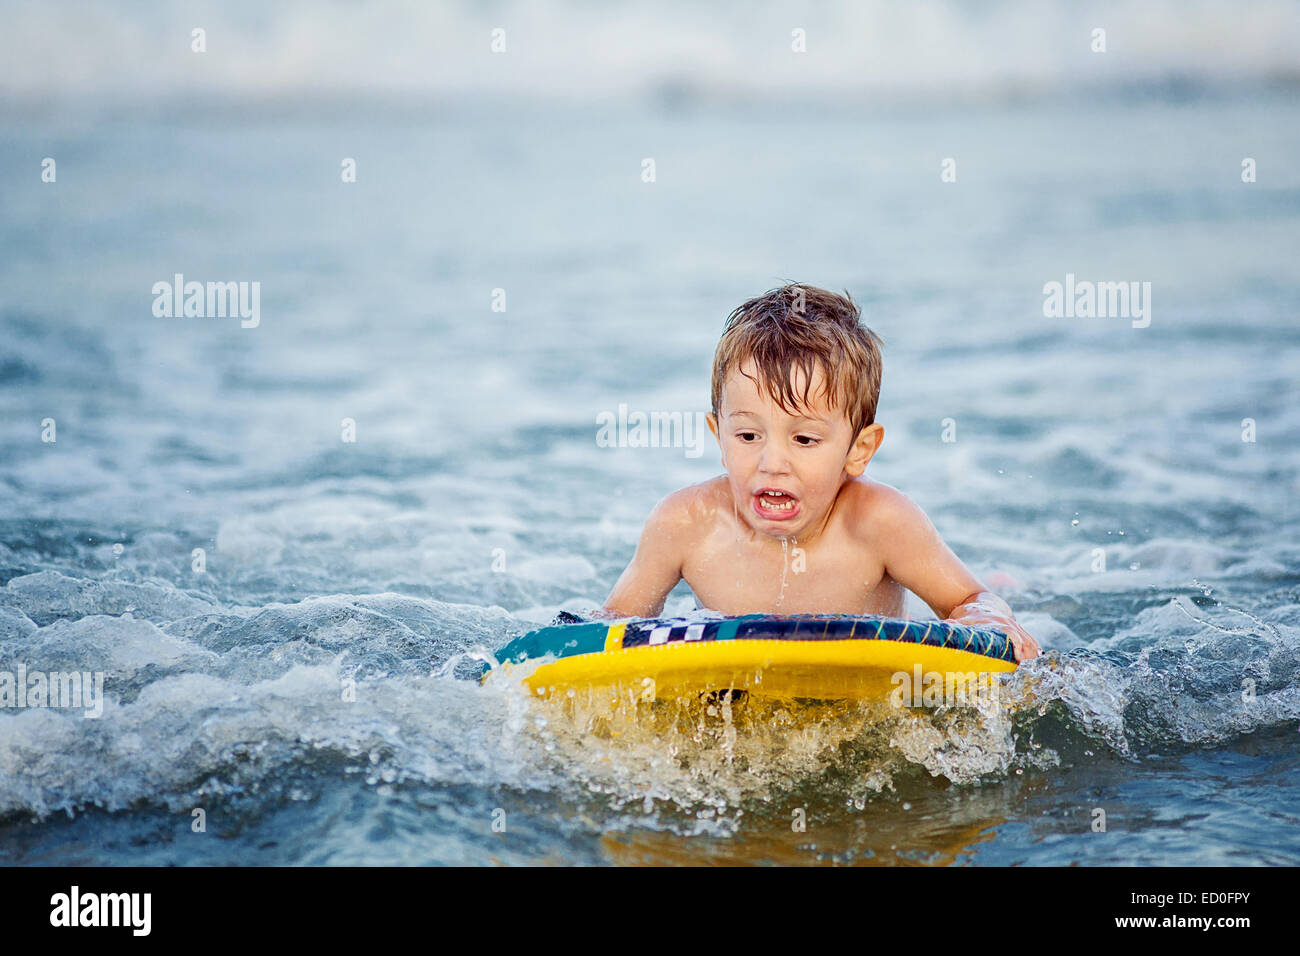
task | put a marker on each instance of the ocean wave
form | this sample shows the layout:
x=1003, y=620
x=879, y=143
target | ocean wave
x=205, y=702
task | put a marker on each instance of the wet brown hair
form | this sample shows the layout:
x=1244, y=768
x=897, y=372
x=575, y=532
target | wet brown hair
x=803, y=327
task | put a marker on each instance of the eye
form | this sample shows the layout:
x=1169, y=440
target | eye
x=806, y=440
x=747, y=436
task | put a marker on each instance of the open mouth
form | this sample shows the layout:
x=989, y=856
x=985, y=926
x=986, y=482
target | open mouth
x=775, y=504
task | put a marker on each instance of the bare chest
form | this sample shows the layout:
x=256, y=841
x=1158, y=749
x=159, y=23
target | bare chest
x=737, y=576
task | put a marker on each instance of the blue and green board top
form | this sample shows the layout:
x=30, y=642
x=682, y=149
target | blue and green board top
x=577, y=636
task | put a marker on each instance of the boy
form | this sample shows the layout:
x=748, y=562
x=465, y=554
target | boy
x=793, y=527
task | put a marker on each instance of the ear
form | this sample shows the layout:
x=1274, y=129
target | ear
x=712, y=419
x=863, y=447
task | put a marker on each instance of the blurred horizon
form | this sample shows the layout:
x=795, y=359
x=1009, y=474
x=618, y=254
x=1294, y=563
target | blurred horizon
x=96, y=56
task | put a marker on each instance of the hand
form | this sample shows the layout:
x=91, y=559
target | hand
x=990, y=611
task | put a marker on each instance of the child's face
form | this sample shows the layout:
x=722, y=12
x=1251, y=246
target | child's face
x=785, y=468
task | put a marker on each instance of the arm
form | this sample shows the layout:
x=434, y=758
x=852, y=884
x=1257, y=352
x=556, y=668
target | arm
x=656, y=567
x=917, y=558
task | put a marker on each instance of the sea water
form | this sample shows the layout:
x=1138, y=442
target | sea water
x=284, y=547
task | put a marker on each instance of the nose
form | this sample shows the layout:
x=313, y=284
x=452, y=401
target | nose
x=774, y=460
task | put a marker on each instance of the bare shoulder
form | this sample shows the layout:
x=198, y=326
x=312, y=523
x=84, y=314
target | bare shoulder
x=688, y=511
x=879, y=511
x=670, y=536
